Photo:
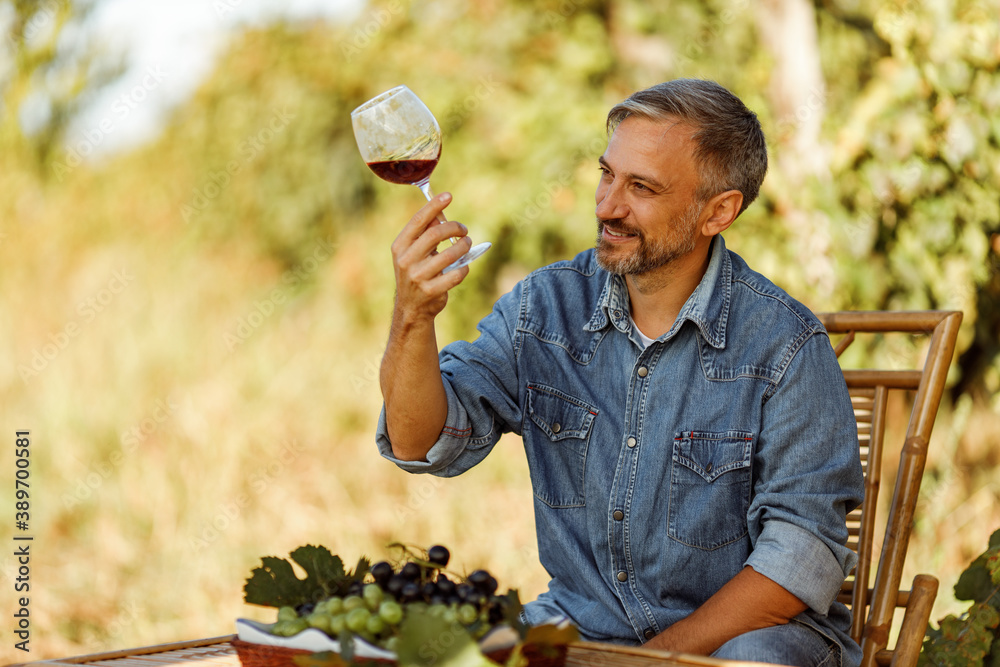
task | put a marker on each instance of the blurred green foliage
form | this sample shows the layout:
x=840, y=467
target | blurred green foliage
x=263, y=154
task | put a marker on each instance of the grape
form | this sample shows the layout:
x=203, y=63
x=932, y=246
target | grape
x=375, y=611
x=372, y=595
x=382, y=571
x=395, y=585
x=320, y=621
x=352, y=602
x=410, y=592
x=338, y=624
x=438, y=555
x=410, y=571
x=289, y=628
x=391, y=612
x=429, y=590
x=334, y=605
x=445, y=585
x=357, y=619
x=479, y=579
x=467, y=614
x=375, y=625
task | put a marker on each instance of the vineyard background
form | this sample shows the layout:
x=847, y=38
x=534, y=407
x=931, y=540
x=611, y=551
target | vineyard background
x=193, y=325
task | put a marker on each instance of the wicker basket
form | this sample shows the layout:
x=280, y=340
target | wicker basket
x=265, y=655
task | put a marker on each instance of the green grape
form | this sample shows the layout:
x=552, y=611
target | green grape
x=375, y=625
x=437, y=609
x=467, y=614
x=320, y=621
x=357, y=619
x=391, y=644
x=372, y=594
x=338, y=624
x=391, y=612
x=332, y=605
x=287, y=614
x=450, y=615
x=352, y=602
x=289, y=628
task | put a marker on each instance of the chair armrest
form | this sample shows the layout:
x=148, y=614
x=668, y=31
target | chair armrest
x=915, y=620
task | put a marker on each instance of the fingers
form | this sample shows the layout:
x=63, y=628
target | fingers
x=415, y=249
x=427, y=219
x=421, y=286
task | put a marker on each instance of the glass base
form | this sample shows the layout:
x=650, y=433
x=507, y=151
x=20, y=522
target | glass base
x=473, y=254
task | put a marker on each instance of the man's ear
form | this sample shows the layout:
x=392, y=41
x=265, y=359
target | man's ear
x=720, y=212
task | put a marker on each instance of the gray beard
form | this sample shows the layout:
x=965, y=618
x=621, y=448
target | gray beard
x=650, y=255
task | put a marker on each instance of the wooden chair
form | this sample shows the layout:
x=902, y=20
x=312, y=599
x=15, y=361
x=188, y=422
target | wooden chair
x=874, y=605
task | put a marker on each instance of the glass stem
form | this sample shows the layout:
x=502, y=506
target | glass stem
x=425, y=187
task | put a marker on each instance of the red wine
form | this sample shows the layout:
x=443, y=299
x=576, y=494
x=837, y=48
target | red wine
x=404, y=172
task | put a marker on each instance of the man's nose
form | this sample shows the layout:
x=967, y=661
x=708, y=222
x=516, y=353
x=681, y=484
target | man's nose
x=610, y=202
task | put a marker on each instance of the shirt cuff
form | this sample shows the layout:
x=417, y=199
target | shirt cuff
x=799, y=562
x=449, y=446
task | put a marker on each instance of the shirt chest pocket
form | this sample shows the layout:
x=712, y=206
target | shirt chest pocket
x=556, y=446
x=709, y=487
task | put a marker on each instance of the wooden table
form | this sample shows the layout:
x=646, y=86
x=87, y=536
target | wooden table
x=218, y=652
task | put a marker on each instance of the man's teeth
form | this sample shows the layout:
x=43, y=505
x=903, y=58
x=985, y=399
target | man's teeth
x=614, y=233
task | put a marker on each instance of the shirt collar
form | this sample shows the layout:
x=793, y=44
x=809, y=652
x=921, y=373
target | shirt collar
x=707, y=307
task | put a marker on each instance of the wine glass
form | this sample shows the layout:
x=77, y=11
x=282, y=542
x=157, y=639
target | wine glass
x=400, y=141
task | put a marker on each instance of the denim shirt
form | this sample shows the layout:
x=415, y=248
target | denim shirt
x=659, y=473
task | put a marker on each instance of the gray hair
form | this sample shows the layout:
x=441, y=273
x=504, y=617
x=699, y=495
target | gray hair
x=730, y=150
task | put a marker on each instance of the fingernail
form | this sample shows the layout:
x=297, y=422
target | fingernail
x=445, y=196
x=465, y=230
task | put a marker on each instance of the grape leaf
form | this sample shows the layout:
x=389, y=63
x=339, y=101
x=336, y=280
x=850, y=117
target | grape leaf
x=994, y=542
x=275, y=583
x=973, y=584
x=426, y=640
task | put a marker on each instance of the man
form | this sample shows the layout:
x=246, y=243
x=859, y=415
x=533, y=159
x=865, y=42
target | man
x=690, y=440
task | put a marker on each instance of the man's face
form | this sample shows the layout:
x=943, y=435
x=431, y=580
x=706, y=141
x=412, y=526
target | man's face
x=647, y=212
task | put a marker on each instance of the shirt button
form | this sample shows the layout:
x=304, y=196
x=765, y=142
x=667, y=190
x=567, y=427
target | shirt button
x=649, y=634
x=631, y=442
x=708, y=468
x=622, y=576
x=618, y=515
x=556, y=427
x=643, y=371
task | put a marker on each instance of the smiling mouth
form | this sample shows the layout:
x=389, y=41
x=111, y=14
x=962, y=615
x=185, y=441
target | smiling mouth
x=621, y=235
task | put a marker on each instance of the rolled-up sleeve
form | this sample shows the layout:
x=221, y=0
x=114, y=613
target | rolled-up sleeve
x=807, y=478
x=481, y=387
